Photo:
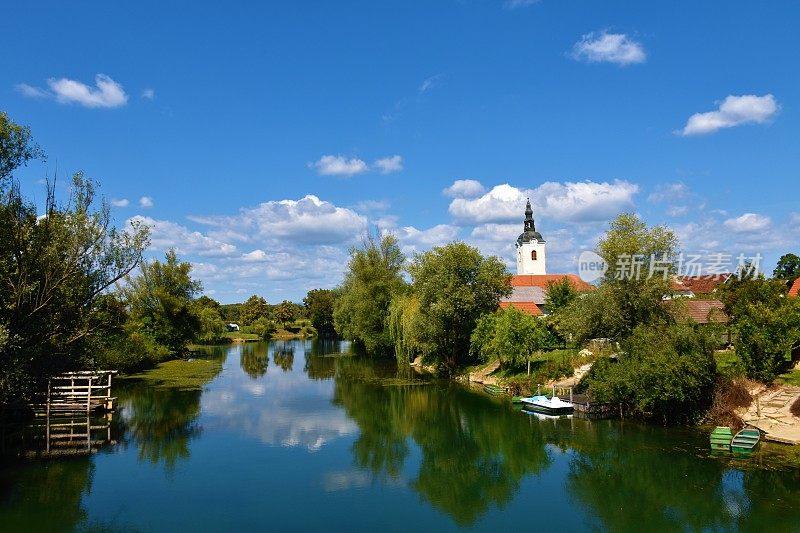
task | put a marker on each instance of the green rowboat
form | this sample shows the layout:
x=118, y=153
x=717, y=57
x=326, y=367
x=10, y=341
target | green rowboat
x=744, y=441
x=494, y=390
x=721, y=439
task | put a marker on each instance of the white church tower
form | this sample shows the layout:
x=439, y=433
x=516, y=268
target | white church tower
x=530, y=247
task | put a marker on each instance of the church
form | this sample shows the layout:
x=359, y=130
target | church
x=529, y=286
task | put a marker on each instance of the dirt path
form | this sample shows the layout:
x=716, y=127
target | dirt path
x=770, y=413
x=482, y=375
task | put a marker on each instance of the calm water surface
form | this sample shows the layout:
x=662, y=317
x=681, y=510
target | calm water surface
x=285, y=437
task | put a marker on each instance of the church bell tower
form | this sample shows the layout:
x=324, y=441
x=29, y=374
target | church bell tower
x=530, y=247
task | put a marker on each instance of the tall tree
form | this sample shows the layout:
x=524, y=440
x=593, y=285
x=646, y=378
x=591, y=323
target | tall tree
x=319, y=306
x=284, y=312
x=373, y=277
x=788, y=268
x=161, y=302
x=253, y=309
x=455, y=285
x=560, y=293
x=53, y=271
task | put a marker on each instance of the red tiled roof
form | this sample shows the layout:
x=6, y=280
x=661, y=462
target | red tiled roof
x=541, y=281
x=701, y=284
x=703, y=311
x=528, y=307
x=795, y=289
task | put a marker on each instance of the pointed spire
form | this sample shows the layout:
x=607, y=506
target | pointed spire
x=529, y=223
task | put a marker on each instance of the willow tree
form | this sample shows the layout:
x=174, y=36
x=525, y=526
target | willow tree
x=373, y=278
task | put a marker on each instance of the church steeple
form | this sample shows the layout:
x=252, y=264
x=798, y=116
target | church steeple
x=530, y=225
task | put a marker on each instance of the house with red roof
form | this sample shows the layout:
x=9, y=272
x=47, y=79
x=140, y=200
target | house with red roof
x=794, y=290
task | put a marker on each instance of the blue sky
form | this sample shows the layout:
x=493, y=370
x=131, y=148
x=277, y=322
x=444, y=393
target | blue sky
x=262, y=140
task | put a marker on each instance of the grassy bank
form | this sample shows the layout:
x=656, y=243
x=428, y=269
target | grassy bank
x=179, y=374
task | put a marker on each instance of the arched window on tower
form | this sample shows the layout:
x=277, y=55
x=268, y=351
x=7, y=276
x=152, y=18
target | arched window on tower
x=533, y=255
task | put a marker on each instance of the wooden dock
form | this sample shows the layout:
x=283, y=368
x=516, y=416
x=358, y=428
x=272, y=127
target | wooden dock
x=76, y=392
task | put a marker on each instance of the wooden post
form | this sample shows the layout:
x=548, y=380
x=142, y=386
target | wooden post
x=89, y=397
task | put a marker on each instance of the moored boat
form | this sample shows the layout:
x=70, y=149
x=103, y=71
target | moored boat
x=494, y=390
x=721, y=438
x=549, y=406
x=744, y=441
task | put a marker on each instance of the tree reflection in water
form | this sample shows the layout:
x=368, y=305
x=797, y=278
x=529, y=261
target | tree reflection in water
x=253, y=359
x=161, y=422
x=283, y=355
x=474, y=451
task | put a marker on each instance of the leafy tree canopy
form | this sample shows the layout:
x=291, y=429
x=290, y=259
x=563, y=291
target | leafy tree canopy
x=788, y=268
x=253, y=309
x=319, y=305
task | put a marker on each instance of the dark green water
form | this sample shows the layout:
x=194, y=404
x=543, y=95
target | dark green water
x=286, y=439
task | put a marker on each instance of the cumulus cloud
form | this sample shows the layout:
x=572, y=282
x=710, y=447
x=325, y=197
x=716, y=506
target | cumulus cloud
x=390, y=164
x=337, y=165
x=570, y=201
x=602, y=47
x=308, y=220
x=105, y=93
x=748, y=222
x=145, y=202
x=165, y=234
x=122, y=202
x=733, y=111
x=464, y=189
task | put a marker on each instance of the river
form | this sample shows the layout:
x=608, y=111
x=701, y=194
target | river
x=289, y=437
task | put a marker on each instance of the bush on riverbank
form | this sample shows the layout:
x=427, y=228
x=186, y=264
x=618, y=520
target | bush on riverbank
x=666, y=373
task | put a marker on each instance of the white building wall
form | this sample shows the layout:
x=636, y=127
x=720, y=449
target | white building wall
x=530, y=263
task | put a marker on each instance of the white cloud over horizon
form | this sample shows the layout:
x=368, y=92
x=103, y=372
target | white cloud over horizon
x=464, y=189
x=146, y=202
x=603, y=47
x=121, y=202
x=733, y=111
x=748, y=222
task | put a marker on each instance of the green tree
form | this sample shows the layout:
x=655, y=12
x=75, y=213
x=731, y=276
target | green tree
x=373, y=277
x=510, y=336
x=53, y=270
x=788, y=268
x=665, y=372
x=284, y=312
x=319, y=305
x=455, y=285
x=212, y=327
x=16, y=147
x=560, y=293
x=254, y=308
x=641, y=264
x=161, y=302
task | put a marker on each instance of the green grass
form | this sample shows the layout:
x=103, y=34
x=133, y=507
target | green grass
x=728, y=363
x=791, y=377
x=179, y=374
x=242, y=335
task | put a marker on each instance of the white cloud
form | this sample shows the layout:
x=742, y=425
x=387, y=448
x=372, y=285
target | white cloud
x=512, y=4
x=337, y=165
x=570, y=201
x=107, y=93
x=678, y=211
x=165, y=234
x=431, y=83
x=748, y=222
x=464, y=189
x=435, y=236
x=148, y=94
x=605, y=47
x=122, y=202
x=308, y=221
x=255, y=255
x=372, y=205
x=32, y=92
x=145, y=202
x=390, y=164
x=733, y=111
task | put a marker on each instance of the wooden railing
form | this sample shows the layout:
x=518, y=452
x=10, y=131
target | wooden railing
x=74, y=392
